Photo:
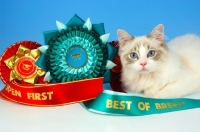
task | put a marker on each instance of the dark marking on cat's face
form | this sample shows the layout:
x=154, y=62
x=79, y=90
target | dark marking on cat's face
x=128, y=59
x=158, y=55
x=143, y=47
x=148, y=47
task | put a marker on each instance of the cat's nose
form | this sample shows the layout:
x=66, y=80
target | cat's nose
x=143, y=64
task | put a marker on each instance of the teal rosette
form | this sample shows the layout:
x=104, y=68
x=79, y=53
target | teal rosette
x=77, y=50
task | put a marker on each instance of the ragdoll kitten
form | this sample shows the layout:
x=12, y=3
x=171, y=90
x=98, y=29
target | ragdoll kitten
x=160, y=70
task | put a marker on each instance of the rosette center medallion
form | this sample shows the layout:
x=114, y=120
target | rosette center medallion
x=76, y=57
x=25, y=67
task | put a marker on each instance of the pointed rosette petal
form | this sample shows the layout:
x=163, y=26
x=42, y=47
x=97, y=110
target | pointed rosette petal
x=43, y=49
x=105, y=38
x=48, y=76
x=60, y=26
x=88, y=24
x=110, y=64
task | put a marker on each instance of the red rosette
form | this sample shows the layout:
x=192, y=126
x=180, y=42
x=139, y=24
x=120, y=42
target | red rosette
x=115, y=72
x=9, y=52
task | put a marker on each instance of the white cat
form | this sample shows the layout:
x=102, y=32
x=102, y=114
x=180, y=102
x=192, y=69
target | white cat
x=160, y=70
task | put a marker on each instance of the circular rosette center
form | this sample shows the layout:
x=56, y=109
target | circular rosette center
x=76, y=57
x=25, y=67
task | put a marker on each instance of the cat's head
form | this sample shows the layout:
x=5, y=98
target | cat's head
x=143, y=54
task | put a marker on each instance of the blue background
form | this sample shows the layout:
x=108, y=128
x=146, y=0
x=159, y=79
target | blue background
x=27, y=19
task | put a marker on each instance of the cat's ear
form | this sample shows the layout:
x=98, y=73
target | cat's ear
x=123, y=37
x=158, y=32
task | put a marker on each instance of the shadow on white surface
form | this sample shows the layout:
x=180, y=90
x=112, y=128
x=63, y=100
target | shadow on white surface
x=74, y=118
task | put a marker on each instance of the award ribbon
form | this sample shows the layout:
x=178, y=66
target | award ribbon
x=18, y=63
x=52, y=94
x=77, y=50
x=115, y=103
x=23, y=66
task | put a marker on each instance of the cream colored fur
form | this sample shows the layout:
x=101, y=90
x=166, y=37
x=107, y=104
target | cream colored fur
x=175, y=74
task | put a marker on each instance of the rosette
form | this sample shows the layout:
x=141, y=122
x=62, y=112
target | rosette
x=76, y=51
x=18, y=62
x=115, y=72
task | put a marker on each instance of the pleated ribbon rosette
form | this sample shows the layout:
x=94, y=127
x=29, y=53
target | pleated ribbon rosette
x=76, y=51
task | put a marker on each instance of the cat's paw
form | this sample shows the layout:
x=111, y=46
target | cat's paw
x=161, y=94
x=150, y=92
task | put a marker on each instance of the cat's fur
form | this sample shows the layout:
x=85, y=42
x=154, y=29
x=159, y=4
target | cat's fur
x=174, y=70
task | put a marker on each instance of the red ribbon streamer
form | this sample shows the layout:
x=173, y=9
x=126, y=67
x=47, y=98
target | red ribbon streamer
x=53, y=94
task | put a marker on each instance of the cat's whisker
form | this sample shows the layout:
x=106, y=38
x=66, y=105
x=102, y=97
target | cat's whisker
x=165, y=37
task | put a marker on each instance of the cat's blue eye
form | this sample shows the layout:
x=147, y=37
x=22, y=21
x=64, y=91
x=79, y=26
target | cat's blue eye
x=151, y=53
x=133, y=55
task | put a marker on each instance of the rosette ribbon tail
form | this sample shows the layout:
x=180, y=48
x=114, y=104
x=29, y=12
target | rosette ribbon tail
x=52, y=94
x=123, y=104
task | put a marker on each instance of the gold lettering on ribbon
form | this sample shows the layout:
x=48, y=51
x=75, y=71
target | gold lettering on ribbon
x=128, y=105
x=76, y=56
x=13, y=91
x=158, y=106
x=169, y=105
x=116, y=104
x=143, y=106
x=40, y=96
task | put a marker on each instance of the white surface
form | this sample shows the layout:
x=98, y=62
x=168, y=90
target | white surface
x=74, y=118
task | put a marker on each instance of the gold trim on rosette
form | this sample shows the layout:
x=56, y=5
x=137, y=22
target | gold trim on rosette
x=22, y=65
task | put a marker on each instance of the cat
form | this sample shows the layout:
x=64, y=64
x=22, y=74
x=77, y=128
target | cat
x=158, y=69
